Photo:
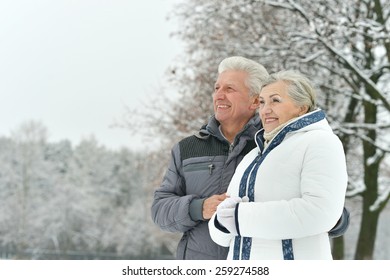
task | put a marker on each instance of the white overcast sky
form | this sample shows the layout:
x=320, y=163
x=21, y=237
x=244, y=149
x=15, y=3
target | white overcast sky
x=75, y=64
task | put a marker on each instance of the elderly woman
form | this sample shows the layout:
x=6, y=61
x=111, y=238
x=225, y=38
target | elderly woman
x=287, y=193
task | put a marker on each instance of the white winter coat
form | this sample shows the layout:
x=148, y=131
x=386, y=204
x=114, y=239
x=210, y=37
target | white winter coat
x=299, y=194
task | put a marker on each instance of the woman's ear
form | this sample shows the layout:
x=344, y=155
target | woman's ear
x=303, y=110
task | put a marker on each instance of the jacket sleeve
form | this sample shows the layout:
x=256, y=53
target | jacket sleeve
x=322, y=194
x=218, y=235
x=342, y=225
x=171, y=206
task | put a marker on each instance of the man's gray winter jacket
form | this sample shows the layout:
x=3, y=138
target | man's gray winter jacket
x=201, y=166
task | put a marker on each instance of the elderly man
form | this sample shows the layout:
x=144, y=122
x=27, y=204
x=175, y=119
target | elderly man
x=202, y=165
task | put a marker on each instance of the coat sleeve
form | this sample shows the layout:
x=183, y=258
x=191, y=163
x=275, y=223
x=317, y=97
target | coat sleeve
x=217, y=235
x=171, y=206
x=322, y=195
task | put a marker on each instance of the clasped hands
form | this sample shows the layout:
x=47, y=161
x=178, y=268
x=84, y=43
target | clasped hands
x=226, y=213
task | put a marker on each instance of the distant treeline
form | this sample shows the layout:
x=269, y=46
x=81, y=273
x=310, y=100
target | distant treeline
x=61, y=201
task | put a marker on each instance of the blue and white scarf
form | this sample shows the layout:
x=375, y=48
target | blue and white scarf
x=247, y=184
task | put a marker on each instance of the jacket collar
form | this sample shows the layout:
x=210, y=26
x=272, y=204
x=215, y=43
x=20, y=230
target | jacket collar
x=297, y=124
x=212, y=128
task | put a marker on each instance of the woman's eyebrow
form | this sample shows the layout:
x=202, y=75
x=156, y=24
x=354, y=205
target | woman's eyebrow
x=272, y=95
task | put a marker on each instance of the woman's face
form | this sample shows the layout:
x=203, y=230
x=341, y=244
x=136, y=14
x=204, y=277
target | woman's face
x=276, y=106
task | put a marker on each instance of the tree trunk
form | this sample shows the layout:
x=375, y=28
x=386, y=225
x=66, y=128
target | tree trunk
x=367, y=235
x=338, y=248
x=369, y=222
x=338, y=244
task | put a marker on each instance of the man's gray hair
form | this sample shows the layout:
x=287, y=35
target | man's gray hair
x=257, y=74
x=300, y=89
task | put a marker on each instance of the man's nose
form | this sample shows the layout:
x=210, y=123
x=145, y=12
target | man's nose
x=219, y=94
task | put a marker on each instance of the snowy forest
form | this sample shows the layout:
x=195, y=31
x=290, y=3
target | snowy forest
x=64, y=202
x=61, y=201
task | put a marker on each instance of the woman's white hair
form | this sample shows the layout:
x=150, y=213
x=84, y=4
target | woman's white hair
x=300, y=89
x=257, y=74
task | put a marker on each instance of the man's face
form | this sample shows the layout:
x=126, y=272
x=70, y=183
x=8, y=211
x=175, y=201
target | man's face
x=232, y=103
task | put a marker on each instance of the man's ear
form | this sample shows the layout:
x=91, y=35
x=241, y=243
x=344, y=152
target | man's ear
x=255, y=102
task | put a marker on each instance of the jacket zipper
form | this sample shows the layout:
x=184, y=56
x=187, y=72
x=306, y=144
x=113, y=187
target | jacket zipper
x=231, y=147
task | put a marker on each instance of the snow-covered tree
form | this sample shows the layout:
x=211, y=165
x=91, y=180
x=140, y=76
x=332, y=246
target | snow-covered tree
x=25, y=182
x=58, y=200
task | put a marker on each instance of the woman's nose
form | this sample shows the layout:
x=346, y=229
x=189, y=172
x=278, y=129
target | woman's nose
x=266, y=109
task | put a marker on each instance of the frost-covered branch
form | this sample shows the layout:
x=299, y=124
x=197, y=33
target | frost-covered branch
x=358, y=72
x=355, y=188
x=381, y=201
x=379, y=70
x=364, y=138
x=375, y=158
x=313, y=56
x=293, y=6
x=279, y=4
x=366, y=126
